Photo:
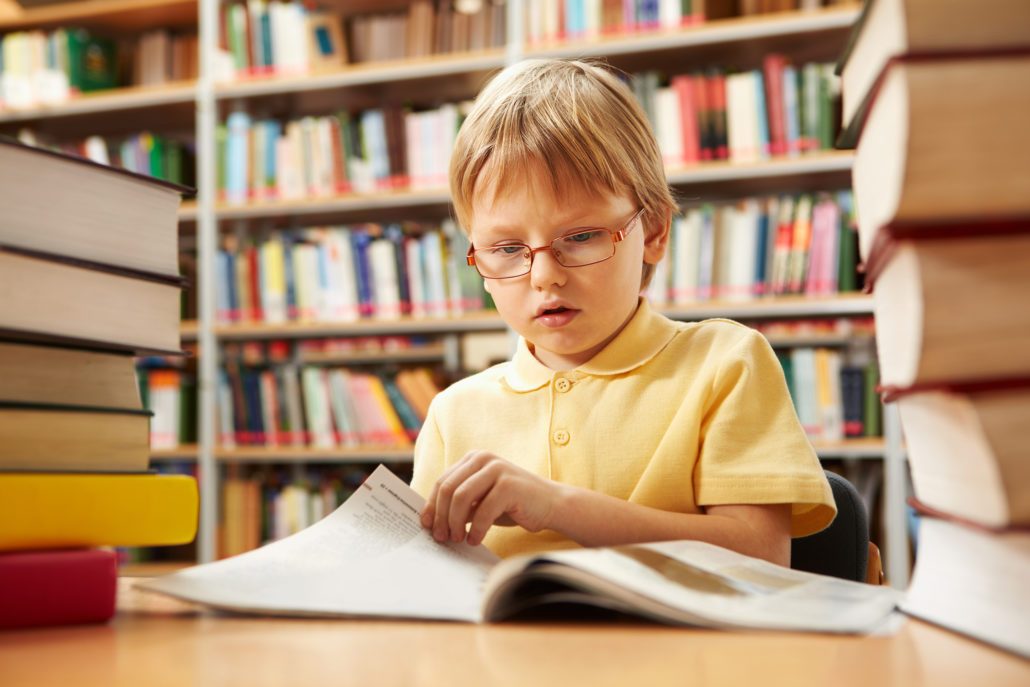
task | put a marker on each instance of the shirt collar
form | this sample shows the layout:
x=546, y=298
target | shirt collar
x=646, y=334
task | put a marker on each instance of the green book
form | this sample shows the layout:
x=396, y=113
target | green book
x=92, y=62
x=873, y=409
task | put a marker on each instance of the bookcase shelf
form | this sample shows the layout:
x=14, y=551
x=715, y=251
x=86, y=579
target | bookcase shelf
x=188, y=330
x=415, y=354
x=355, y=202
x=809, y=171
x=186, y=452
x=286, y=454
x=434, y=67
x=122, y=15
x=864, y=448
x=102, y=102
x=760, y=32
x=779, y=307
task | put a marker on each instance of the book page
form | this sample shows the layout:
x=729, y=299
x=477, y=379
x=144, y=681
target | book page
x=698, y=584
x=370, y=557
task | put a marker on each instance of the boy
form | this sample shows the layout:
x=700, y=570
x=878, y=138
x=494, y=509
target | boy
x=611, y=424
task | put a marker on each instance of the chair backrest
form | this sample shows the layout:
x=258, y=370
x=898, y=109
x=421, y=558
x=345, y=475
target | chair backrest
x=842, y=549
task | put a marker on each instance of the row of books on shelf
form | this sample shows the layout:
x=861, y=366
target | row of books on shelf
x=759, y=246
x=743, y=116
x=270, y=504
x=340, y=274
x=171, y=395
x=321, y=407
x=162, y=157
x=74, y=437
x=549, y=21
x=834, y=392
x=340, y=153
x=47, y=68
x=288, y=404
x=260, y=38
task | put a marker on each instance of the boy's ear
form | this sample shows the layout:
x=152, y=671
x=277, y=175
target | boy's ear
x=656, y=244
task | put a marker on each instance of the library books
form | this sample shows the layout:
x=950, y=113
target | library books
x=91, y=212
x=50, y=436
x=61, y=510
x=973, y=580
x=371, y=557
x=952, y=307
x=55, y=298
x=59, y=587
x=32, y=373
x=945, y=142
x=967, y=451
x=888, y=28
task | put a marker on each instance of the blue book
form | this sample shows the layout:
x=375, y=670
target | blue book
x=292, y=309
x=762, y=114
x=373, y=134
x=359, y=242
x=395, y=234
x=236, y=152
x=761, y=250
x=273, y=131
x=790, y=109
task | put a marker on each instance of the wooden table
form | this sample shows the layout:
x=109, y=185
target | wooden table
x=155, y=642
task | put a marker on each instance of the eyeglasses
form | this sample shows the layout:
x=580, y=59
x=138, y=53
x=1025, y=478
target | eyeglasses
x=577, y=249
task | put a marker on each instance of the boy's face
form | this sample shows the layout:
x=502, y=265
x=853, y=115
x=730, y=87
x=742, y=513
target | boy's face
x=568, y=313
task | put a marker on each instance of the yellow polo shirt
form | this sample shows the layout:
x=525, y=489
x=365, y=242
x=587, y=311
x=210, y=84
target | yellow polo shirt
x=671, y=415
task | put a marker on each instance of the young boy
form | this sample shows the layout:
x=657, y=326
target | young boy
x=611, y=424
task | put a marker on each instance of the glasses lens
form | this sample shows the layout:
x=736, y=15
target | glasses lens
x=583, y=248
x=503, y=261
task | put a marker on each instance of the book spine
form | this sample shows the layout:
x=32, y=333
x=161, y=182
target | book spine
x=47, y=588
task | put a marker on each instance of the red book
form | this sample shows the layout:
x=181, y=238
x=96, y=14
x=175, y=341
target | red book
x=685, y=89
x=773, y=66
x=59, y=587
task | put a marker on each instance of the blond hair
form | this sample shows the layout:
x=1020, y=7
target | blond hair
x=577, y=120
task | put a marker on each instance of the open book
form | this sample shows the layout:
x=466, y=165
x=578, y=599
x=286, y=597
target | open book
x=371, y=557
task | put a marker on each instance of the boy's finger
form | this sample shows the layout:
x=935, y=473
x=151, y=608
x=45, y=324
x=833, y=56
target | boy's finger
x=445, y=488
x=488, y=512
x=471, y=491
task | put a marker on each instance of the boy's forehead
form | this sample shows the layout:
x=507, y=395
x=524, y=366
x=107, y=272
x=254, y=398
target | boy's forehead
x=503, y=199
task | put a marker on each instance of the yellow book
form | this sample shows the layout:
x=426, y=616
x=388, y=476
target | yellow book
x=387, y=411
x=54, y=510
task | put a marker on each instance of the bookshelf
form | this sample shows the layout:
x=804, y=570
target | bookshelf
x=813, y=35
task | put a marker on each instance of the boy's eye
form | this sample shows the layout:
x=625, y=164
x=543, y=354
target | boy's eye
x=514, y=249
x=584, y=236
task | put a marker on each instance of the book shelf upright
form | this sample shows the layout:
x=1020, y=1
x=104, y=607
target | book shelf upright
x=816, y=35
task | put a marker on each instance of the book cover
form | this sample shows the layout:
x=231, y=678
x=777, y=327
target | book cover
x=56, y=510
x=57, y=587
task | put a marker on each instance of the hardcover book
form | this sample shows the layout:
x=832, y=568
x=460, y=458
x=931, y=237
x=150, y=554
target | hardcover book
x=372, y=558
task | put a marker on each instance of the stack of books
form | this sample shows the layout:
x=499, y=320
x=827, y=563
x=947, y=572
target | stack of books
x=89, y=276
x=938, y=103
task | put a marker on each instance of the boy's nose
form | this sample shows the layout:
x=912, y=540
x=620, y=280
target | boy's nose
x=546, y=270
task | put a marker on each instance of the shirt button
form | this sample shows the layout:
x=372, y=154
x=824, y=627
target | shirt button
x=563, y=385
x=561, y=437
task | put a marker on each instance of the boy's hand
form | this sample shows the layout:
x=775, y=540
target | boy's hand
x=484, y=489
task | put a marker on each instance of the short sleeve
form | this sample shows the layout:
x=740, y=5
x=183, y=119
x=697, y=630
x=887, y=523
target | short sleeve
x=429, y=455
x=753, y=448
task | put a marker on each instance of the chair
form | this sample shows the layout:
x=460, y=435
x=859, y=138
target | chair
x=843, y=549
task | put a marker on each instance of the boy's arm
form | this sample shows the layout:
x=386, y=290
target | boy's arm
x=483, y=489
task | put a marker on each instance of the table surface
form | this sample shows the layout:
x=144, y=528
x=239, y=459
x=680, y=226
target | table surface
x=155, y=641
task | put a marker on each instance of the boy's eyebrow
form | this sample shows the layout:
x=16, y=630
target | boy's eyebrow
x=575, y=222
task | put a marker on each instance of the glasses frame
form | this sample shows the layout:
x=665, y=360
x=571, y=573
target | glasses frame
x=616, y=235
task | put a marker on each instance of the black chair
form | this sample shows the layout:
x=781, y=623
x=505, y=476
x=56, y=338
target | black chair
x=843, y=549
